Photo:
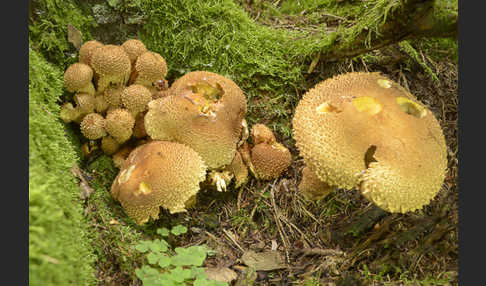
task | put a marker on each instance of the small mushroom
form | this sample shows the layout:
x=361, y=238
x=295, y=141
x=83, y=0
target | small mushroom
x=150, y=67
x=270, y=160
x=135, y=98
x=134, y=48
x=93, y=126
x=112, y=66
x=158, y=174
x=78, y=78
x=119, y=124
x=364, y=131
x=86, y=51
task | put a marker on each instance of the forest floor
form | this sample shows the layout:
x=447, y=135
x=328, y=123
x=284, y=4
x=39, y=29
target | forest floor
x=340, y=240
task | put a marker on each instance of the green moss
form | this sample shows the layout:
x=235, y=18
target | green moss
x=48, y=20
x=59, y=247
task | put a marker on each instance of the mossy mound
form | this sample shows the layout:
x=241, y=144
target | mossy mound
x=60, y=252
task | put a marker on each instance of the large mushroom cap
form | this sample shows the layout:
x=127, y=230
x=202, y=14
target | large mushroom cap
x=112, y=65
x=158, y=174
x=203, y=110
x=362, y=130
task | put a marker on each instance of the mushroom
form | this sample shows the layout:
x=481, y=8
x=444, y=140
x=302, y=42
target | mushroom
x=238, y=170
x=78, y=78
x=134, y=48
x=364, y=131
x=158, y=174
x=270, y=160
x=112, y=96
x=135, y=98
x=260, y=133
x=112, y=66
x=93, y=126
x=119, y=123
x=86, y=51
x=150, y=67
x=312, y=187
x=109, y=145
x=203, y=110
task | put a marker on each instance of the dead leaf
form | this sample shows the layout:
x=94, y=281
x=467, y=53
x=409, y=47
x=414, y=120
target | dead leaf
x=223, y=274
x=266, y=261
x=75, y=37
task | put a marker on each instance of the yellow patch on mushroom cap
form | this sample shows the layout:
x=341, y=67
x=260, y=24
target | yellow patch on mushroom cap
x=78, y=77
x=158, y=174
x=135, y=98
x=112, y=65
x=180, y=117
x=134, y=48
x=260, y=133
x=93, y=126
x=367, y=104
x=86, y=51
x=270, y=160
x=312, y=187
x=149, y=68
x=335, y=144
x=119, y=123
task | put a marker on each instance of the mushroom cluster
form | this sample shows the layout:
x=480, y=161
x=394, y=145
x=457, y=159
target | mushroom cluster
x=112, y=86
x=364, y=131
x=165, y=140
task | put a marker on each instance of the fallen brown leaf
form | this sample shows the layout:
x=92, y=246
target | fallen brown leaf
x=266, y=261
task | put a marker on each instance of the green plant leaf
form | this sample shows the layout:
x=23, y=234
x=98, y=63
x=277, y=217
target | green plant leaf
x=143, y=246
x=164, y=261
x=163, y=231
x=159, y=245
x=178, y=230
x=153, y=258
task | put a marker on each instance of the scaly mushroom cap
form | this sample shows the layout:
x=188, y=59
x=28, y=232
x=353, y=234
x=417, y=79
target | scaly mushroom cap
x=135, y=98
x=86, y=51
x=270, y=160
x=362, y=130
x=204, y=111
x=134, y=48
x=158, y=174
x=260, y=133
x=77, y=78
x=93, y=126
x=312, y=187
x=149, y=68
x=109, y=145
x=119, y=124
x=112, y=65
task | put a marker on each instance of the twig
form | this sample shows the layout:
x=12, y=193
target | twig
x=230, y=236
x=279, y=225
